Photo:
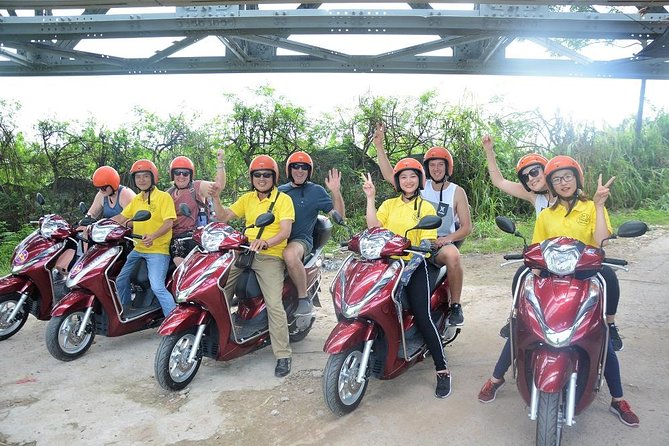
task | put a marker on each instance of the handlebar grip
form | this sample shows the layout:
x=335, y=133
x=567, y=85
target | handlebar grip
x=513, y=257
x=619, y=262
x=420, y=249
x=136, y=236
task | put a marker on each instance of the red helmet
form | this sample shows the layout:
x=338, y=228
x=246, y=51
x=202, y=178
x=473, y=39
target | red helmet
x=106, y=176
x=299, y=157
x=409, y=164
x=532, y=159
x=563, y=162
x=265, y=162
x=182, y=162
x=438, y=153
x=145, y=166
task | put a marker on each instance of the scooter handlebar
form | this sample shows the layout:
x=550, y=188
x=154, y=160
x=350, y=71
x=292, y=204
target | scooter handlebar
x=616, y=262
x=513, y=257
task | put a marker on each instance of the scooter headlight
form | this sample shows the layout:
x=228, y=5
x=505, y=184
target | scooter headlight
x=54, y=226
x=561, y=259
x=352, y=311
x=371, y=245
x=99, y=232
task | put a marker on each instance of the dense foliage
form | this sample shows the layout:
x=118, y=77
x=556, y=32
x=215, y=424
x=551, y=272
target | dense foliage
x=57, y=157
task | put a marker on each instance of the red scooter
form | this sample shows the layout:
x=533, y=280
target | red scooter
x=559, y=336
x=205, y=323
x=376, y=334
x=35, y=284
x=92, y=306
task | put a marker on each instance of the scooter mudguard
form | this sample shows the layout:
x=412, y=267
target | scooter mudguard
x=11, y=284
x=74, y=300
x=345, y=335
x=552, y=369
x=182, y=318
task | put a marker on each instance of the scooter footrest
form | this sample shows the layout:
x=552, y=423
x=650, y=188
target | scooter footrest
x=414, y=344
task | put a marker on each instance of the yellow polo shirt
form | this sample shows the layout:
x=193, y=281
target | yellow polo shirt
x=249, y=206
x=398, y=216
x=579, y=224
x=162, y=208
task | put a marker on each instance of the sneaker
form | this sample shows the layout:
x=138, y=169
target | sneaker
x=615, y=337
x=282, y=367
x=489, y=391
x=304, y=307
x=443, y=385
x=455, y=317
x=624, y=412
x=505, y=331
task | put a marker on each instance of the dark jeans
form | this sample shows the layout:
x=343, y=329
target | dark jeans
x=418, y=292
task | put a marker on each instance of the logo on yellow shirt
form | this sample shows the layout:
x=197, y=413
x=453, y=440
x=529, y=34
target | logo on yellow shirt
x=583, y=219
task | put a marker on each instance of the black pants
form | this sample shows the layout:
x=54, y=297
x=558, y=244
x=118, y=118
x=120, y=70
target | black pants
x=418, y=291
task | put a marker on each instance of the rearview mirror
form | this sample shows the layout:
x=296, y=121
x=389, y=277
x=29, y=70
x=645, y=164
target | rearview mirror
x=505, y=224
x=142, y=216
x=632, y=228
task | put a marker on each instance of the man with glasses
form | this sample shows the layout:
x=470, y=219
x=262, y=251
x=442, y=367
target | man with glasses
x=308, y=200
x=268, y=245
x=193, y=193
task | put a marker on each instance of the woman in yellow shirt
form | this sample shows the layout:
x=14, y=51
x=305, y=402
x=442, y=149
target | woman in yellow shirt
x=398, y=215
x=574, y=216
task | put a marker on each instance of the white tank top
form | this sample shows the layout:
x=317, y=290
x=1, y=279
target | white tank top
x=444, y=207
x=540, y=203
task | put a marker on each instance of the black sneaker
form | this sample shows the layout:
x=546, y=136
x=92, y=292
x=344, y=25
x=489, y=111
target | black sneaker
x=282, y=367
x=443, y=385
x=456, y=317
x=304, y=307
x=615, y=337
x=505, y=331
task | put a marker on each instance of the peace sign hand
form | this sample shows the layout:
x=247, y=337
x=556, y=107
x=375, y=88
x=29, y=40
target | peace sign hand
x=368, y=185
x=603, y=191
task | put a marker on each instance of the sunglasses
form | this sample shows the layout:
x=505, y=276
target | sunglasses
x=262, y=174
x=103, y=188
x=534, y=172
x=181, y=172
x=300, y=166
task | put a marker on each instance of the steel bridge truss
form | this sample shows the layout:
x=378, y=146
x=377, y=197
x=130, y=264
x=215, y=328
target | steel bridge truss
x=45, y=42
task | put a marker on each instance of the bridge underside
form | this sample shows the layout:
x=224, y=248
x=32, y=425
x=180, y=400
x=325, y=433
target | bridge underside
x=504, y=38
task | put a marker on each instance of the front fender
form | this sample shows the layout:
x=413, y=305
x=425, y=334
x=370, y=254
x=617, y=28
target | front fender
x=12, y=284
x=552, y=369
x=182, y=318
x=347, y=334
x=74, y=300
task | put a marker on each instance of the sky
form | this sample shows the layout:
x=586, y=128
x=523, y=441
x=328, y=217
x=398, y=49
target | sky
x=110, y=99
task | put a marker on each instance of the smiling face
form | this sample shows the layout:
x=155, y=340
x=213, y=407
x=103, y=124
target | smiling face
x=182, y=178
x=408, y=180
x=143, y=180
x=534, y=178
x=263, y=180
x=437, y=168
x=299, y=172
x=564, y=183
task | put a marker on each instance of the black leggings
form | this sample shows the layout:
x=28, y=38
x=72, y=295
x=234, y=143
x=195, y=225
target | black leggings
x=612, y=287
x=418, y=293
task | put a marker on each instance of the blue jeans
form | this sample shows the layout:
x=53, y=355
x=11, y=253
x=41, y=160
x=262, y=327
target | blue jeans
x=157, y=265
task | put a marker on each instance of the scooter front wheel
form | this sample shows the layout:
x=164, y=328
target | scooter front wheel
x=172, y=369
x=7, y=304
x=62, y=338
x=549, y=428
x=341, y=391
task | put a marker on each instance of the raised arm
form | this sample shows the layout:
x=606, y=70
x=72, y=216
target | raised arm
x=512, y=188
x=600, y=197
x=209, y=188
x=370, y=191
x=384, y=162
x=333, y=183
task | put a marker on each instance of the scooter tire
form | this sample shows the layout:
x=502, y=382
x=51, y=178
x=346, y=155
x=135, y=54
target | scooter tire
x=7, y=304
x=61, y=336
x=171, y=364
x=341, y=391
x=548, y=420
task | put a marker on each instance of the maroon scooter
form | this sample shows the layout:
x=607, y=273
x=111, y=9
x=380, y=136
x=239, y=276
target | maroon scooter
x=92, y=305
x=206, y=323
x=559, y=337
x=376, y=334
x=35, y=284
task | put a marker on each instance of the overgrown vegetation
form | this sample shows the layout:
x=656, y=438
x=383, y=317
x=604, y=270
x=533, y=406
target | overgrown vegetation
x=57, y=157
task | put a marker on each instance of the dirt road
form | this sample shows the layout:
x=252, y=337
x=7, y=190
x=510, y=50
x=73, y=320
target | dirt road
x=110, y=397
